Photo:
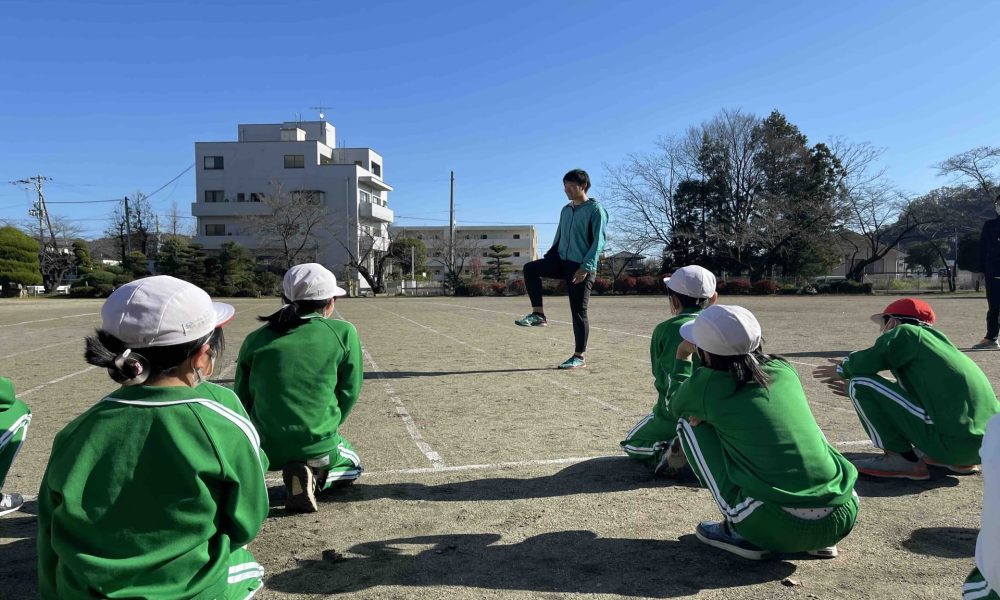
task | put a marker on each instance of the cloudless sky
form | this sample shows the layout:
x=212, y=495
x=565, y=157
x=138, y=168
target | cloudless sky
x=109, y=97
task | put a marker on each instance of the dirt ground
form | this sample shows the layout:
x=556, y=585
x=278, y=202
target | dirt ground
x=489, y=474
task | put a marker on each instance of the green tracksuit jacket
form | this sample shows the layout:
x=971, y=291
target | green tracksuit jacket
x=148, y=494
x=775, y=451
x=580, y=236
x=299, y=386
x=952, y=389
x=662, y=355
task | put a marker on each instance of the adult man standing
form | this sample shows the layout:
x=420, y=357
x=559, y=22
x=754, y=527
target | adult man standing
x=573, y=258
x=989, y=266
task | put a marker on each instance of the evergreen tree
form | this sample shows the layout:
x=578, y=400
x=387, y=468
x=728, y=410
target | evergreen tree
x=499, y=268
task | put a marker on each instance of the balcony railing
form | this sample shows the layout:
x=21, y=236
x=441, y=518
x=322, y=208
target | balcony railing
x=374, y=212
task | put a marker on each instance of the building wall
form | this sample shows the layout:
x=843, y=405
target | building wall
x=477, y=240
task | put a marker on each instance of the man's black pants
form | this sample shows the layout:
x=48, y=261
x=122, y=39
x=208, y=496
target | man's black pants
x=992, y=300
x=579, y=293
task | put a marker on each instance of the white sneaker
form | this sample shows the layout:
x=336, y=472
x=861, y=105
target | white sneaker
x=893, y=466
x=828, y=552
x=10, y=503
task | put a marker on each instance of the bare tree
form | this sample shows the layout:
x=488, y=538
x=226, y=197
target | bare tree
x=174, y=219
x=291, y=223
x=977, y=165
x=454, y=256
x=371, y=256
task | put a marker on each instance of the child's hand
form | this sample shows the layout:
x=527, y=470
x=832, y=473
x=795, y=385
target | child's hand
x=827, y=374
x=685, y=350
x=694, y=421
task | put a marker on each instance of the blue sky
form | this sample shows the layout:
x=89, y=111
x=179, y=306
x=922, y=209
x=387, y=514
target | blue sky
x=109, y=97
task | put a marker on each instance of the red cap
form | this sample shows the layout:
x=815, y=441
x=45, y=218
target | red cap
x=908, y=307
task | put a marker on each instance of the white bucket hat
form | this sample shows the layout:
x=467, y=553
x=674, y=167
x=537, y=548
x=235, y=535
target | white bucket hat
x=723, y=330
x=162, y=311
x=693, y=281
x=310, y=281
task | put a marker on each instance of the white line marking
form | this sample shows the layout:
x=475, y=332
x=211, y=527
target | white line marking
x=551, y=381
x=39, y=348
x=795, y=362
x=50, y=319
x=48, y=383
x=411, y=426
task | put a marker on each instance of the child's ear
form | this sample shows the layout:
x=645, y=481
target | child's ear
x=713, y=299
x=202, y=358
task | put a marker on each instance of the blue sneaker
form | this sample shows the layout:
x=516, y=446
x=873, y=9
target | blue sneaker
x=532, y=320
x=573, y=362
x=723, y=536
x=10, y=503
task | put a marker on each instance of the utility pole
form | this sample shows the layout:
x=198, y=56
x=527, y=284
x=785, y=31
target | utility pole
x=412, y=267
x=451, y=225
x=128, y=231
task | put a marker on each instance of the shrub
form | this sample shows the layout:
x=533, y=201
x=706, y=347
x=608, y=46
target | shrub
x=625, y=284
x=478, y=289
x=247, y=292
x=553, y=288
x=764, y=287
x=123, y=279
x=462, y=288
x=845, y=286
x=103, y=290
x=602, y=285
x=209, y=289
x=226, y=291
x=732, y=287
x=81, y=291
x=516, y=287
x=499, y=288
x=647, y=284
x=97, y=277
x=788, y=290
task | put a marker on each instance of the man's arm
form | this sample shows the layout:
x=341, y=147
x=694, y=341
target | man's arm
x=598, y=222
x=983, y=251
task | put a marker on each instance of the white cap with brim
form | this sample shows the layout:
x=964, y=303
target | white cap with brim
x=310, y=281
x=162, y=311
x=723, y=330
x=692, y=281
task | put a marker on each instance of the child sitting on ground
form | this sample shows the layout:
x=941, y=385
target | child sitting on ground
x=14, y=420
x=749, y=436
x=156, y=490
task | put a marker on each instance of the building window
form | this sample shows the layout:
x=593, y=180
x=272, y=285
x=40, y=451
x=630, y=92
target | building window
x=214, y=196
x=359, y=163
x=517, y=236
x=255, y=196
x=485, y=254
x=468, y=237
x=517, y=254
x=482, y=237
x=376, y=169
x=365, y=196
x=295, y=161
x=215, y=230
x=241, y=197
x=213, y=162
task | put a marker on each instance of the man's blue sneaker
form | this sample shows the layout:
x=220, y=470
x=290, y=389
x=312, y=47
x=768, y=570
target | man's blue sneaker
x=573, y=362
x=532, y=320
x=723, y=536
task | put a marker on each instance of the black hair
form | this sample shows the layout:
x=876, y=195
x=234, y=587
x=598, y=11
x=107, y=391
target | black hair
x=290, y=315
x=688, y=301
x=745, y=368
x=903, y=320
x=579, y=177
x=134, y=366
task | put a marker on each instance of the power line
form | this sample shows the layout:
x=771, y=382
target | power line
x=179, y=175
x=470, y=223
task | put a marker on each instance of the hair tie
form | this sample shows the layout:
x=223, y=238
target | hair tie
x=131, y=368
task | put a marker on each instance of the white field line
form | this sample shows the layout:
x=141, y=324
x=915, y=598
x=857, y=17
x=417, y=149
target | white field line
x=48, y=383
x=638, y=335
x=411, y=426
x=49, y=319
x=39, y=348
x=551, y=381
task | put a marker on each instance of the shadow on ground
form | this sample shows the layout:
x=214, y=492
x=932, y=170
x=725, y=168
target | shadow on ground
x=945, y=542
x=559, y=562
x=19, y=564
x=411, y=374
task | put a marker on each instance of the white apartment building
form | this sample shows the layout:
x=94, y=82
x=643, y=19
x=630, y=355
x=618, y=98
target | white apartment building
x=295, y=157
x=475, y=242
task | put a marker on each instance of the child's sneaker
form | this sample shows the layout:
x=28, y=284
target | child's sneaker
x=573, y=362
x=723, y=536
x=532, y=320
x=828, y=552
x=672, y=462
x=10, y=503
x=957, y=469
x=893, y=466
x=301, y=488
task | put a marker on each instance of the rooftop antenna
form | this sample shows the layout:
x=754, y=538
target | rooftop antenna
x=320, y=108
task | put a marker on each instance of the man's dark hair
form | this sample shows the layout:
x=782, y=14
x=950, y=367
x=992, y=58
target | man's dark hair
x=688, y=301
x=579, y=177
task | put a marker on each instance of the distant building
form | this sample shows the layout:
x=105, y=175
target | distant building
x=475, y=242
x=626, y=263
x=294, y=157
x=856, y=249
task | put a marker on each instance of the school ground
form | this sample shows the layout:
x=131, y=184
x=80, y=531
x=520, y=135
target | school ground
x=491, y=475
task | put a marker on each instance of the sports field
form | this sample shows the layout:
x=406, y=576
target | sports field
x=489, y=474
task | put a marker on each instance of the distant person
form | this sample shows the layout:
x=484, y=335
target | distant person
x=750, y=437
x=14, y=420
x=299, y=376
x=989, y=266
x=156, y=490
x=934, y=413
x=689, y=290
x=984, y=581
x=573, y=258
